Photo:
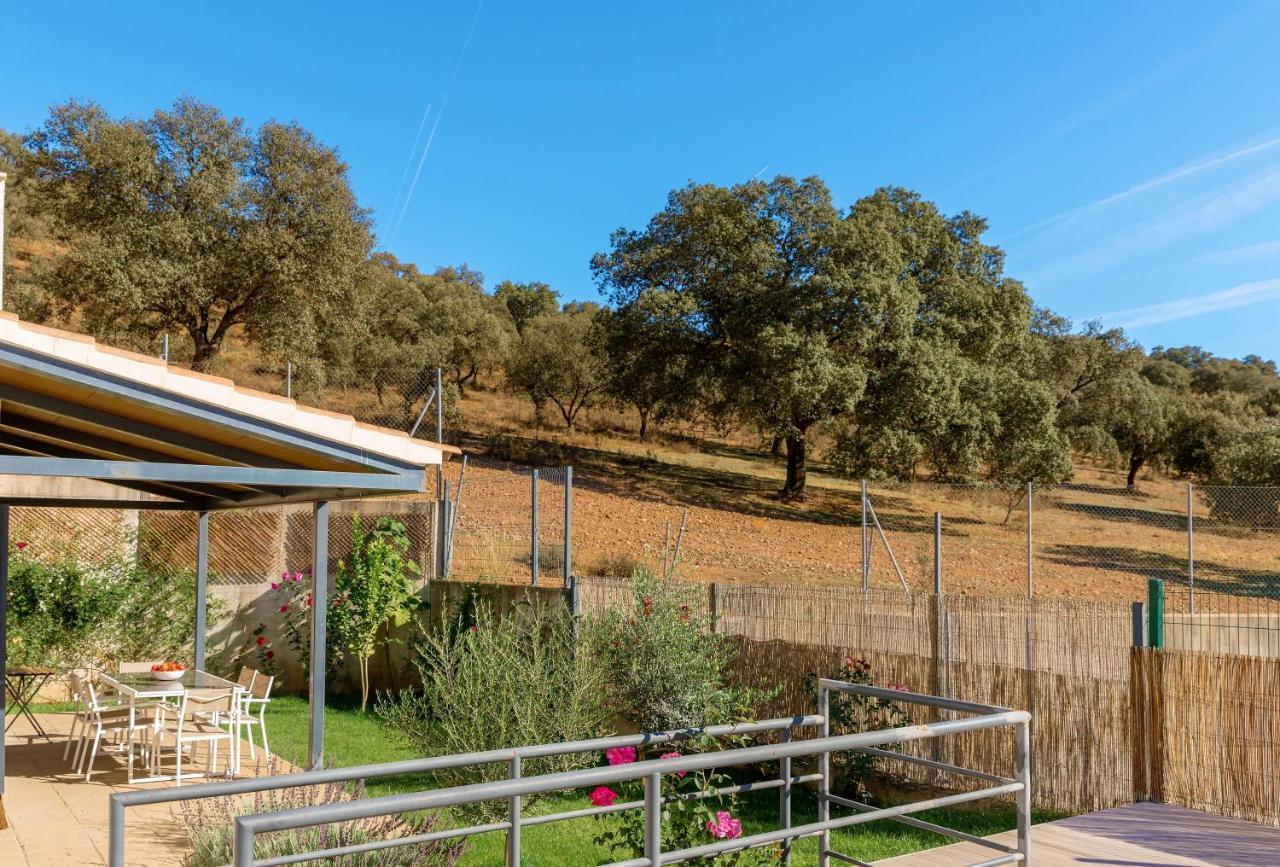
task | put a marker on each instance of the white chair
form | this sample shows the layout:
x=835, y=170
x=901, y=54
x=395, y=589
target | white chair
x=104, y=719
x=193, y=726
x=258, y=698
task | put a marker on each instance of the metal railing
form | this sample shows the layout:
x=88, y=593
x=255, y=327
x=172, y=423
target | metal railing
x=513, y=789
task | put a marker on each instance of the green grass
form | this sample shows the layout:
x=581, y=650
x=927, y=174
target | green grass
x=352, y=738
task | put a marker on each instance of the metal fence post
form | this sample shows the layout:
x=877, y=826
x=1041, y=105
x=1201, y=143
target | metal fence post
x=866, y=563
x=288, y=379
x=653, y=818
x=937, y=553
x=1030, y=545
x=1191, y=546
x=1138, y=618
x=824, y=772
x=533, y=531
x=439, y=427
x=713, y=605
x=568, y=525
x=1155, y=612
x=513, y=816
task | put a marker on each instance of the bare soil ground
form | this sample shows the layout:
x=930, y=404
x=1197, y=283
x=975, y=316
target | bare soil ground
x=1091, y=539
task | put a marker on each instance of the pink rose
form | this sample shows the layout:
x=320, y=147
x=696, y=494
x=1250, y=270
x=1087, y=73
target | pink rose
x=680, y=774
x=21, y=546
x=275, y=585
x=724, y=826
x=603, y=796
x=284, y=608
x=620, y=755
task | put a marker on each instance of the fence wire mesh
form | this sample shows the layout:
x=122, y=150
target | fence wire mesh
x=494, y=526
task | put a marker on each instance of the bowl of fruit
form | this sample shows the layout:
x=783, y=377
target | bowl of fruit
x=167, y=671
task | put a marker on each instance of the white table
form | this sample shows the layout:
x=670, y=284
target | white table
x=141, y=687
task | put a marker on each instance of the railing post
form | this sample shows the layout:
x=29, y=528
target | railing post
x=653, y=819
x=1022, y=758
x=115, y=822
x=513, y=816
x=784, y=799
x=824, y=771
x=533, y=531
x=1155, y=612
x=242, y=843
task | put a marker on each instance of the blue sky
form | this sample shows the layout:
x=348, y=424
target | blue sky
x=1126, y=155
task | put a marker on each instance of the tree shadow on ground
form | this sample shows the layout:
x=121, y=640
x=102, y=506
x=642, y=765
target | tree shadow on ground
x=674, y=484
x=1145, y=517
x=1210, y=576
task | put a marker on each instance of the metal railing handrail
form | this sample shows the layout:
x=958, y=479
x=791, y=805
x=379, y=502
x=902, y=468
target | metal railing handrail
x=651, y=771
x=119, y=801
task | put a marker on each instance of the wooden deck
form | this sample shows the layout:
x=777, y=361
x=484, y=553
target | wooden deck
x=58, y=820
x=1139, y=835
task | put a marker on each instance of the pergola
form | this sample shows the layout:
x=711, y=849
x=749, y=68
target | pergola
x=84, y=425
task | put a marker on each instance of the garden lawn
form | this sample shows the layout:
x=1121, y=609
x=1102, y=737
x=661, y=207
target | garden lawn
x=352, y=738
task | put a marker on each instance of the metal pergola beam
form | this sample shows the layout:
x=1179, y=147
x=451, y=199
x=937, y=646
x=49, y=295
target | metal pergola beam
x=29, y=448
x=152, y=471
x=163, y=400
x=106, y=422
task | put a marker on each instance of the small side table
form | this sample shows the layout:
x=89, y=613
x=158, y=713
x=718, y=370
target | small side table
x=23, y=684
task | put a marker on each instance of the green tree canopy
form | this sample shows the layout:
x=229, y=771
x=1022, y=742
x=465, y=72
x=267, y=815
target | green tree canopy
x=526, y=301
x=188, y=221
x=561, y=360
x=892, y=320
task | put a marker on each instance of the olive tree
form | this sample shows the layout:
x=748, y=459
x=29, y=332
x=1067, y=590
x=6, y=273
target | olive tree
x=190, y=221
x=560, y=360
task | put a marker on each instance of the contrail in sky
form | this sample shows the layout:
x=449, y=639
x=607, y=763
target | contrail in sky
x=426, y=149
x=1196, y=305
x=408, y=163
x=1175, y=175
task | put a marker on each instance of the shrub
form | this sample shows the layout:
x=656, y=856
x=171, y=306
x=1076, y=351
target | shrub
x=618, y=565
x=65, y=613
x=687, y=820
x=666, y=667
x=490, y=683
x=209, y=826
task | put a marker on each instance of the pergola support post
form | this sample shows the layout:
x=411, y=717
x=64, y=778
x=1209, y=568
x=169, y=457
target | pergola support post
x=319, y=616
x=202, y=589
x=4, y=634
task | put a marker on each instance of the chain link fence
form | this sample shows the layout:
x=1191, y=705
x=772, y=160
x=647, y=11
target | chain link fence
x=508, y=523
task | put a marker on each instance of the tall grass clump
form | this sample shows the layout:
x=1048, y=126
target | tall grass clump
x=209, y=826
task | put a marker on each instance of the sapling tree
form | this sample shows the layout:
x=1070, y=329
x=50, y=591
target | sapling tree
x=373, y=592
